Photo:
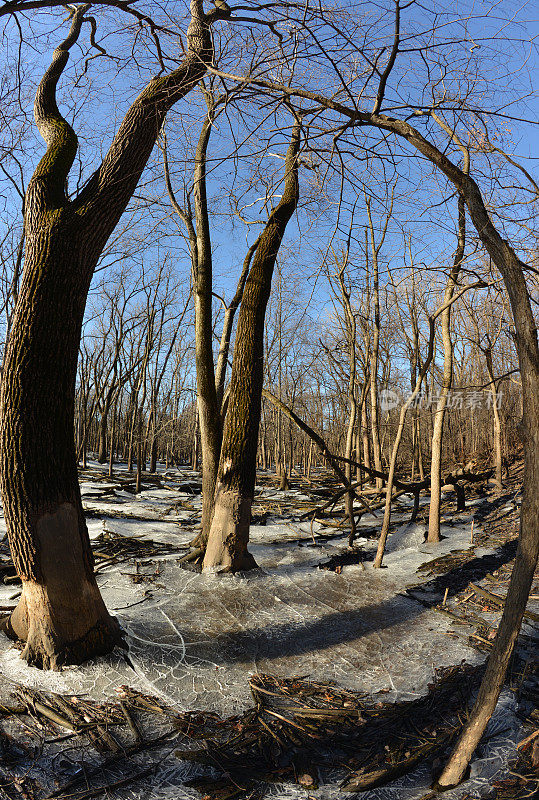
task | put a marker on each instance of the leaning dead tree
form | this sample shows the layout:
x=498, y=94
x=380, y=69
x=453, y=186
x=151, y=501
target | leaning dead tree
x=61, y=615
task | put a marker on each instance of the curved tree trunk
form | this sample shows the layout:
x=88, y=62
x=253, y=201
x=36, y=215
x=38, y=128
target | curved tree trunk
x=513, y=272
x=229, y=533
x=61, y=615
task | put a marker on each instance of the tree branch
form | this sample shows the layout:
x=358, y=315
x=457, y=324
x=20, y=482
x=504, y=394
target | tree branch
x=108, y=191
x=46, y=189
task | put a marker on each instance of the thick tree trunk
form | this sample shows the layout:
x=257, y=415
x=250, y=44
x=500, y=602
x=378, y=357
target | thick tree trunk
x=229, y=534
x=61, y=615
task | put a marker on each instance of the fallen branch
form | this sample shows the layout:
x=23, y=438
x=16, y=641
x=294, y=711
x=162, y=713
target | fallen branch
x=499, y=601
x=319, y=442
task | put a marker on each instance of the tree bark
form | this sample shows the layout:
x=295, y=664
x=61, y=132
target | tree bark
x=497, y=428
x=209, y=410
x=447, y=380
x=375, y=417
x=61, y=615
x=351, y=329
x=229, y=534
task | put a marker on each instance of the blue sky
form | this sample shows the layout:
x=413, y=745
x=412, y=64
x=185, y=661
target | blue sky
x=98, y=99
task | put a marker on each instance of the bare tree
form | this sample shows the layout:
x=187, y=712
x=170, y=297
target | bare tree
x=61, y=615
x=447, y=379
x=229, y=533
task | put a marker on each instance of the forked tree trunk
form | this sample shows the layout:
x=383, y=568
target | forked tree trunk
x=61, y=615
x=226, y=550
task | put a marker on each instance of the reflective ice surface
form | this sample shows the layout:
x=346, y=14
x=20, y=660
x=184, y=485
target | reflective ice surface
x=195, y=639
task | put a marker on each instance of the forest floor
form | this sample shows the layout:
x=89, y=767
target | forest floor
x=311, y=676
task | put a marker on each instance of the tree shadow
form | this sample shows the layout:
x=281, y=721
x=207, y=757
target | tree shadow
x=458, y=578
x=290, y=638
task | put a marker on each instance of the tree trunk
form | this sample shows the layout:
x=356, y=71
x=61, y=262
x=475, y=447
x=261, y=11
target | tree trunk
x=229, y=534
x=375, y=417
x=517, y=595
x=103, y=425
x=60, y=615
x=497, y=428
x=350, y=323
x=447, y=380
x=112, y=439
x=153, y=453
x=513, y=272
x=365, y=433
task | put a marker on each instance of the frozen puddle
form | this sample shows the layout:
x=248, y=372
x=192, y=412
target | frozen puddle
x=195, y=639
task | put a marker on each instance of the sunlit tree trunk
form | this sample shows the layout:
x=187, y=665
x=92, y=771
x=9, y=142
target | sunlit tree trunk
x=497, y=428
x=447, y=380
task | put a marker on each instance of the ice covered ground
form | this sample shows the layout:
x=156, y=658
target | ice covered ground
x=195, y=639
